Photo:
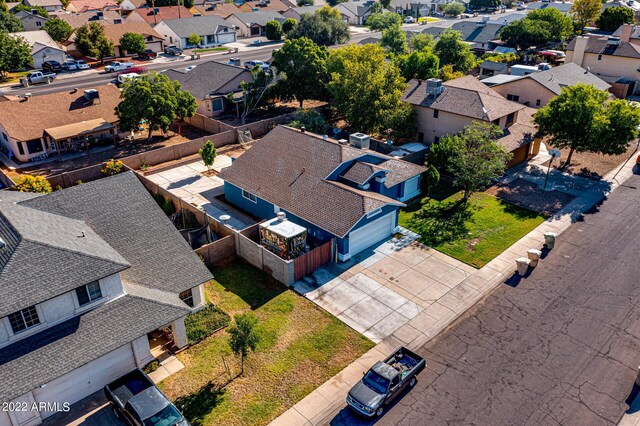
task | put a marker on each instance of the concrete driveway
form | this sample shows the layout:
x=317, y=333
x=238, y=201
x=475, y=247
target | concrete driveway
x=386, y=287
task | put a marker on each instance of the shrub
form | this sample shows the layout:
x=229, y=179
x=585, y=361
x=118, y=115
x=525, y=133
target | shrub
x=29, y=183
x=204, y=322
x=112, y=167
x=165, y=204
x=273, y=30
x=289, y=25
x=310, y=119
x=152, y=366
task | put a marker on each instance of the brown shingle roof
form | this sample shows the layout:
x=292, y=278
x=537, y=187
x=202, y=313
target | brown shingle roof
x=220, y=9
x=86, y=5
x=360, y=172
x=26, y=119
x=599, y=46
x=76, y=20
x=115, y=32
x=520, y=133
x=275, y=5
x=165, y=12
x=289, y=168
x=464, y=96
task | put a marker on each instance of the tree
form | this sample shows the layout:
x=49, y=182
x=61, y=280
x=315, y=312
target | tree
x=253, y=92
x=367, y=89
x=453, y=51
x=301, y=61
x=29, y=183
x=325, y=27
x=483, y=4
x=524, y=33
x=301, y=3
x=421, y=41
x=613, y=17
x=194, y=39
x=39, y=9
x=208, y=154
x=382, y=21
x=376, y=7
x=394, y=40
x=421, y=65
x=560, y=25
x=289, y=25
x=585, y=12
x=447, y=73
x=454, y=9
x=15, y=53
x=582, y=119
x=432, y=177
x=477, y=158
x=186, y=107
x=310, y=119
x=132, y=43
x=243, y=336
x=91, y=41
x=505, y=58
x=58, y=29
x=9, y=23
x=385, y=3
x=154, y=98
x=273, y=30
x=335, y=2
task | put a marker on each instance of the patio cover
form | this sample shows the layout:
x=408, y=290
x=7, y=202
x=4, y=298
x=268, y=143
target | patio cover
x=78, y=129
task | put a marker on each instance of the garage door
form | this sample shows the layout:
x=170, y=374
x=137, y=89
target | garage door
x=226, y=38
x=371, y=233
x=87, y=379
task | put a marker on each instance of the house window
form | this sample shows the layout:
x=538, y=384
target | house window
x=20, y=148
x=38, y=24
x=435, y=113
x=34, y=146
x=514, y=98
x=599, y=57
x=436, y=139
x=538, y=102
x=88, y=293
x=187, y=297
x=496, y=121
x=249, y=196
x=510, y=118
x=217, y=104
x=211, y=39
x=24, y=319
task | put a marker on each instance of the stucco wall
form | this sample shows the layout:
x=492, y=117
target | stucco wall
x=529, y=91
x=30, y=22
x=51, y=55
x=609, y=66
x=445, y=124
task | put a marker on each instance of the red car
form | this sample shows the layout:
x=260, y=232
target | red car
x=148, y=55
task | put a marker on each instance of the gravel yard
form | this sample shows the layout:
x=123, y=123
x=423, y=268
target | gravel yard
x=530, y=196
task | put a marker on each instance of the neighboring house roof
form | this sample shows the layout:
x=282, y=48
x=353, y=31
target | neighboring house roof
x=635, y=32
x=260, y=18
x=275, y=5
x=43, y=3
x=464, y=96
x=208, y=78
x=495, y=66
x=357, y=8
x=305, y=9
x=218, y=9
x=87, y=5
x=521, y=132
x=26, y=119
x=289, y=168
x=562, y=7
x=162, y=13
x=472, y=32
x=201, y=25
x=115, y=32
x=599, y=46
x=500, y=79
x=24, y=14
x=567, y=75
x=38, y=40
x=11, y=5
x=360, y=172
x=76, y=20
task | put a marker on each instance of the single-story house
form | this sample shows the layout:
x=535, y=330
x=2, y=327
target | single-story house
x=297, y=12
x=114, y=32
x=218, y=9
x=253, y=24
x=539, y=88
x=564, y=7
x=275, y=5
x=31, y=21
x=212, y=29
x=87, y=274
x=481, y=35
x=355, y=12
x=81, y=6
x=58, y=122
x=446, y=108
x=43, y=47
x=154, y=15
x=210, y=83
x=76, y=20
x=334, y=190
x=490, y=69
x=48, y=5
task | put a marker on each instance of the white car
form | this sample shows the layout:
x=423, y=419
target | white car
x=124, y=77
x=409, y=20
x=119, y=66
x=189, y=68
x=70, y=66
x=82, y=65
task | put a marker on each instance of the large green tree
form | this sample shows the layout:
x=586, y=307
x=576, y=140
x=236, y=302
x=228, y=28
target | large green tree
x=560, y=25
x=584, y=119
x=273, y=30
x=394, y=40
x=474, y=157
x=585, y=12
x=418, y=42
x=454, y=8
x=367, y=89
x=132, y=43
x=39, y=9
x=92, y=42
x=325, y=27
x=289, y=25
x=483, y=4
x=15, y=53
x=10, y=23
x=58, y=29
x=613, y=17
x=524, y=33
x=382, y=21
x=453, y=51
x=155, y=99
x=422, y=65
x=303, y=68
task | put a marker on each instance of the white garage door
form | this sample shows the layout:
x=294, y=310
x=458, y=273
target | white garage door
x=87, y=379
x=371, y=233
x=226, y=38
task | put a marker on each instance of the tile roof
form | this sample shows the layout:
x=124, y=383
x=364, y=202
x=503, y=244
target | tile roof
x=289, y=168
x=219, y=9
x=465, y=96
x=76, y=20
x=598, y=45
x=121, y=211
x=45, y=356
x=208, y=78
x=261, y=18
x=202, y=25
x=26, y=119
x=116, y=31
x=165, y=12
x=87, y=5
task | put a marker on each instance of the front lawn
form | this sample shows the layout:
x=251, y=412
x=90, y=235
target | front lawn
x=302, y=346
x=474, y=233
x=210, y=49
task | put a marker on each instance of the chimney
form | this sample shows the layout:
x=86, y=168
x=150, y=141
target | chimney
x=625, y=32
x=578, y=50
x=281, y=216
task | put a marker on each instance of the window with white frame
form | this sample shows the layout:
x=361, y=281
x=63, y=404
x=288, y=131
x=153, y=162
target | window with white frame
x=187, y=297
x=89, y=293
x=24, y=319
x=249, y=196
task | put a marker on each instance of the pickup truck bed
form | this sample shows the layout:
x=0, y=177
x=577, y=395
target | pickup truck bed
x=128, y=386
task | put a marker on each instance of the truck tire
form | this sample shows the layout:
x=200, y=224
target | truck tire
x=48, y=80
x=412, y=382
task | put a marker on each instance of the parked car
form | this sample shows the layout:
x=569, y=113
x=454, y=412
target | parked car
x=70, y=66
x=409, y=20
x=38, y=77
x=172, y=49
x=82, y=65
x=137, y=401
x=119, y=66
x=251, y=64
x=52, y=66
x=148, y=55
x=234, y=61
x=385, y=381
x=189, y=68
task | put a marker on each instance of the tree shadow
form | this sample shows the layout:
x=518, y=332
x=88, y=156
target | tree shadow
x=440, y=223
x=198, y=405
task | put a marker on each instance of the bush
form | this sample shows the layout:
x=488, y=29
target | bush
x=152, y=366
x=112, y=167
x=29, y=183
x=289, y=25
x=204, y=322
x=273, y=30
x=165, y=204
x=310, y=119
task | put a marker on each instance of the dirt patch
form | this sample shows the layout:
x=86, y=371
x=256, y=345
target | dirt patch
x=590, y=165
x=472, y=243
x=530, y=196
x=209, y=173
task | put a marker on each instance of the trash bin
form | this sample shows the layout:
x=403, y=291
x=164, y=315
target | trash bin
x=534, y=257
x=550, y=239
x=523, y=265
x=24, y=81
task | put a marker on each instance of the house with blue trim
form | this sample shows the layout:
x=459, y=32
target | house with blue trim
x=334, y=190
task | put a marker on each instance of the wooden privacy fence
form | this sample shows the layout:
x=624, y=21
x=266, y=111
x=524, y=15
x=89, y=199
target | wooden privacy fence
x=312, y=260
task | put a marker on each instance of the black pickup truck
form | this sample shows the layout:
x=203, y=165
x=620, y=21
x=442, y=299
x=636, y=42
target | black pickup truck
x=138, y=402
x=385, y=381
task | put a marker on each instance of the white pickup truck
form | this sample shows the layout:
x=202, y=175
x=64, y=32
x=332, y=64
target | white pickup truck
x=119, y=66
x=38, y=77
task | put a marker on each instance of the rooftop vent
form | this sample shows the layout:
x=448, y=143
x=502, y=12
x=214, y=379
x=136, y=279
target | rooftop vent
x=434, y=87
x=360, y=140
x=484, y=21
x=91, y=94
x=613, y=41
x=281, y=216
x=343, y=141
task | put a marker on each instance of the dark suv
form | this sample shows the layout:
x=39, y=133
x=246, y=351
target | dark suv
x=52, y=66
x=148, y=55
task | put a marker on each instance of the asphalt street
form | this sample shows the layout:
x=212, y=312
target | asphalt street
x=560, y=347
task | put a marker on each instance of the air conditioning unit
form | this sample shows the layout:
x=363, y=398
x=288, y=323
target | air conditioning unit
x=91, y=94
x=360, y=140
x=434, y=87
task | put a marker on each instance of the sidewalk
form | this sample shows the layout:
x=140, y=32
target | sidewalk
x=316, y=407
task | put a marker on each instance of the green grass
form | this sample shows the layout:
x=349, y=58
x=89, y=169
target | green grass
x=475, y=232
x=210, y=49
x=301, y=347
x=14, y=77
x=204, y=322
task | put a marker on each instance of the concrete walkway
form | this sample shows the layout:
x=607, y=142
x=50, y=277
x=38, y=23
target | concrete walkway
x=319, y=404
